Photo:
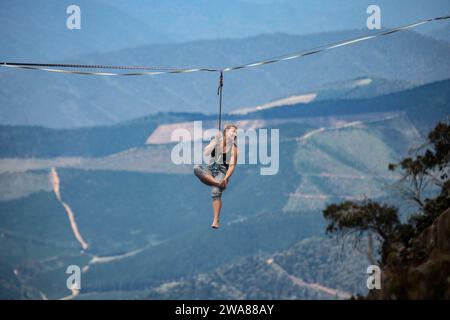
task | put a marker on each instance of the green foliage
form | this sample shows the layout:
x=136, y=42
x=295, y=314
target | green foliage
x=428, y=168
x=167, y=215
x=350, y=216
x=431, y=168
x=259, y=277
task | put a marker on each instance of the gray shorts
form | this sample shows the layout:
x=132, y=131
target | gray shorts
x=217, y=170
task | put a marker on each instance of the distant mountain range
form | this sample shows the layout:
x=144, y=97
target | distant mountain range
x=349, y=99
x=30, y=97
x=138, y=225
x=36, y=30
x=86, y=176
x=288, y=274
x=439, y=32
x=211, y=19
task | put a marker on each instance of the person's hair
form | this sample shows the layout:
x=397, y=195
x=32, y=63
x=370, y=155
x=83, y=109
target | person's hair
x=228, y=126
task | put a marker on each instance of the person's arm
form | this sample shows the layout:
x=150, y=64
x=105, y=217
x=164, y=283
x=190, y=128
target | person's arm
x=232, y=164
x=209, y=148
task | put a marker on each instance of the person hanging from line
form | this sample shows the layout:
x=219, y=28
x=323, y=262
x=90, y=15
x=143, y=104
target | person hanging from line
x=224, y=153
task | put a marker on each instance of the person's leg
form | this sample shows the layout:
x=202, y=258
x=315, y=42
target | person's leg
x=217, y=206
x=216, y=194
x=205, y=176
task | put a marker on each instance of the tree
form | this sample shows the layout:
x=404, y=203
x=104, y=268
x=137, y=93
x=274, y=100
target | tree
x=359, y=219
x=430, y=168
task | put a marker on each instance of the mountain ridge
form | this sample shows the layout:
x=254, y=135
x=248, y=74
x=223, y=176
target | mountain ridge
x=28, y=97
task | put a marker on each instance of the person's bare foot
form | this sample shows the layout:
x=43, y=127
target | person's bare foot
x=215, y=225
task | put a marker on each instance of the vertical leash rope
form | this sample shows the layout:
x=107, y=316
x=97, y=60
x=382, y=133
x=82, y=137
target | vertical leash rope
x=219, y=92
